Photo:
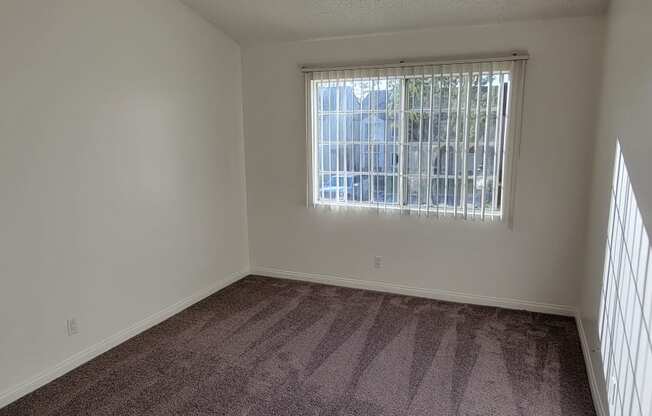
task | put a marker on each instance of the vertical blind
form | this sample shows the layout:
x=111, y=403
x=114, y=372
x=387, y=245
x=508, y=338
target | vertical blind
x=435, y=139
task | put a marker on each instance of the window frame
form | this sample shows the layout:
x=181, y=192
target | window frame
x=509, y=110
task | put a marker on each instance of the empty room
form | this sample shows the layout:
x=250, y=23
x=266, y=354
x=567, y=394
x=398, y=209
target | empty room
x=325, y=207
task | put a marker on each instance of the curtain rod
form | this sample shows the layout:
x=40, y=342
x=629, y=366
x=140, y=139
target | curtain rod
x=515, y=56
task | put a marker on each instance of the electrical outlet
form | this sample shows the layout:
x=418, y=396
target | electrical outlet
x=378, y=262
x=72, y=327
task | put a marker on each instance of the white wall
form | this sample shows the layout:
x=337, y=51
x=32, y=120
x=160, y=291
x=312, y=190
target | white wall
x=121, y=170
x=541, y=260
x=626, y=106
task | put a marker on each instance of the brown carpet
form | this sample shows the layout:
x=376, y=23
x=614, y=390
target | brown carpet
x=267, y=346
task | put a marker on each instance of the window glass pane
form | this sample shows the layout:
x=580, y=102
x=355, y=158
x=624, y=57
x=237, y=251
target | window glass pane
x=470, y=194
x=332, y=155
x=445, y=92
x=366, y=162
x=328, y=127
x=324, y=97
x=450, y=193
x=480, y=160
x=486, y=185
x=437, y=92
x=341, y=149
x=364, y=88
x=373, y=126
x=324, y=158
x=426, y=93
x=352, y=127
x=353, y=158
x=378, y=158
x=393, y=127
x=416, y=159
x=451, y=127
x=365, y=188
x=423, y=154
x=358, y=188
x=348, y=100
x=385, y=189
x=429, y=146
x=378, y=95
x=351, y=188
x=442, y=195
x=394, y=94
x=411, y=156
x=378, y=188
x=392, y=159
x=418, y=126
x=391, y=193
x=332, y=187
x=411, y=191
x=440, y=121
x=418, y=92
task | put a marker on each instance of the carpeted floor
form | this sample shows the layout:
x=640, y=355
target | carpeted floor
x=266, y=346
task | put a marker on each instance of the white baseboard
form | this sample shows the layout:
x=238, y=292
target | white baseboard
x=70, y=363
x=419, y=292
x=590, y=369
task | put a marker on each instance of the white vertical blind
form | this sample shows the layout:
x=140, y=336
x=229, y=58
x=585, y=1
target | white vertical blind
x=423, y=139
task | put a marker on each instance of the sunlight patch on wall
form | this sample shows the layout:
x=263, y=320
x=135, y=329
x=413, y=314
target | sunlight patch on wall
x=626, y=302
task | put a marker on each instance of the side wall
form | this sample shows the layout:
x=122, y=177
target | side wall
x=539, y=261
x=121, y=171
x=626, y=106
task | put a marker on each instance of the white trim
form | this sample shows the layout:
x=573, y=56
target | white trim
x=590, y=369
x=16, y=392
x=513, y=136
x=438, y=294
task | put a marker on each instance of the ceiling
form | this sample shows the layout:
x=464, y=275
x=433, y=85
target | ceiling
x=255, y=21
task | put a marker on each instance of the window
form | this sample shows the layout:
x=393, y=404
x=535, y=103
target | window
x=626, y=302
x=433, y=139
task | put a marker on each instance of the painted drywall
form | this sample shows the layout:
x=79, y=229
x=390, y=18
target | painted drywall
x=626, y=105
x=539, y=261
x=121, y=170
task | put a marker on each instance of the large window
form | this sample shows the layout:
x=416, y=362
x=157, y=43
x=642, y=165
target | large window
x=432, y=139
x=626, y=303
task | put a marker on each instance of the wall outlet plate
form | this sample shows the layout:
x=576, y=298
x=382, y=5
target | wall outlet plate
x=72, y=327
